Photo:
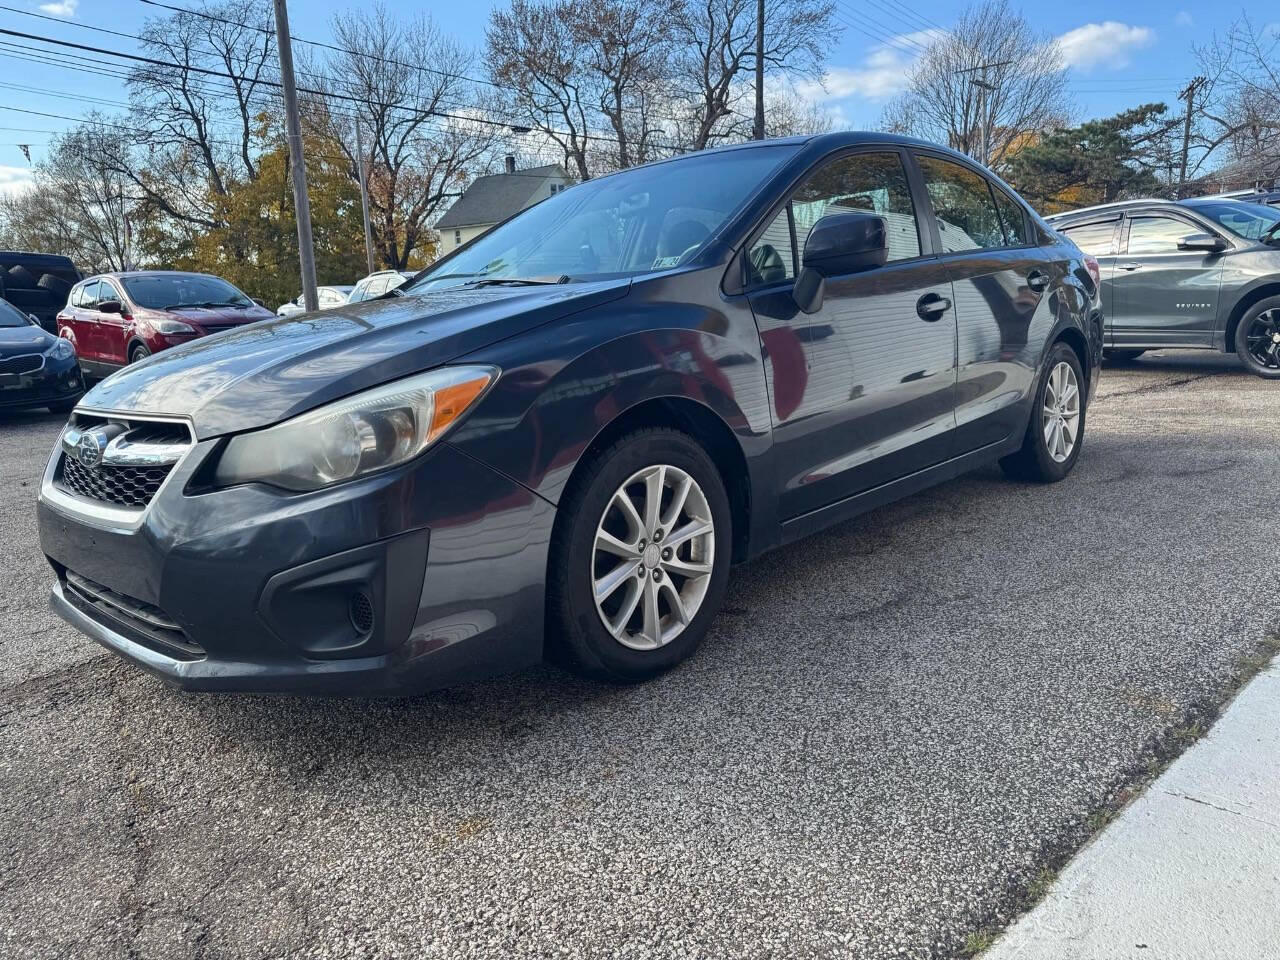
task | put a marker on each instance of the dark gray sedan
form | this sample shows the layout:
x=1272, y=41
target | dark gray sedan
x=1195, y=273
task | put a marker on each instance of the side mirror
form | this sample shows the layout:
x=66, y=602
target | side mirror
x=839, y=244
x=110, y=306
x=34, y=320
x=1205, y=242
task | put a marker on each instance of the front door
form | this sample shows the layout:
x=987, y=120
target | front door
x=1164, y=296
x=863, y=390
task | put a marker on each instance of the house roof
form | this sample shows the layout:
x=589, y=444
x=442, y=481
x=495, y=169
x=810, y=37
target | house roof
x=495, y=197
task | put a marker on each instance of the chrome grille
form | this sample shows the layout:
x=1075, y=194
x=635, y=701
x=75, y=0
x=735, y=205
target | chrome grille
x=120, y=462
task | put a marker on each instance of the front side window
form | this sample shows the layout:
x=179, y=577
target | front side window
x=963, y=205
x=1096, y=239
x=862, y=183
x=772, y=257
x=164, y=291
x=1252, y=221
x=629, y=223
x=1157, y=234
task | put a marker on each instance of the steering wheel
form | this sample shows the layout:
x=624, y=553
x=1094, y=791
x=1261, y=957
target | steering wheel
x=767, y=263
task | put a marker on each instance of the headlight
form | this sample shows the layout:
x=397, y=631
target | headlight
x=371, y=431
x=62, y=350
x=171, y=326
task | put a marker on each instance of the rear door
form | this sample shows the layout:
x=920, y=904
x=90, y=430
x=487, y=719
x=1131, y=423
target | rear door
x=84, y=322
x=1001, y=278
x=1101, y=240
x=1164, y=296
x=863, y=390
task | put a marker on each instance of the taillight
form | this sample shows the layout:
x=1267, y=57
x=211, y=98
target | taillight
x=1091, y=264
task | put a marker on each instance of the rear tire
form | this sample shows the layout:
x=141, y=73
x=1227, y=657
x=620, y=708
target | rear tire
x=1055, y=432
x=1119, y=357
x=1258, y=339
x=660, y=599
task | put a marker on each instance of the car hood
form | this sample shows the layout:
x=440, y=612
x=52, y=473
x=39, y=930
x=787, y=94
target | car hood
x=260, y=374
x=217, y=316
x=15, y=340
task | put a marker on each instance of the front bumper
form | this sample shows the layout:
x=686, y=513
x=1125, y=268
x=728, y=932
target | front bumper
x=413, y=579
x=57, y=381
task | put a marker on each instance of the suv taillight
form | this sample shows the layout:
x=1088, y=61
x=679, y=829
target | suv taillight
x=1091, y=264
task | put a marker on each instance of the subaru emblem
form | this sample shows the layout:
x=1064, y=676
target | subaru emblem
x=89, y=449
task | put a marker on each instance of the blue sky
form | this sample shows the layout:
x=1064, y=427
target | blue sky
x=1119, y=54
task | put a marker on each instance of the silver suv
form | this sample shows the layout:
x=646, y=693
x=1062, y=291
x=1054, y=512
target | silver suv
x=1192, y=273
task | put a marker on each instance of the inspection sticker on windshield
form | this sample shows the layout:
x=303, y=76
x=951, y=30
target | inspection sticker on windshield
x=662, y=262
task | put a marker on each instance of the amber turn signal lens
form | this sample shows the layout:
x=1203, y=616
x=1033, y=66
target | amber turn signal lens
x=452, y=401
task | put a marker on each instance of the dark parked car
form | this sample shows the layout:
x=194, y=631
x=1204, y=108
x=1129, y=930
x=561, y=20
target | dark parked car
x=37, y=369
x=1195, y=273
x=557, y=439
x=37, y=283
x=116, y=319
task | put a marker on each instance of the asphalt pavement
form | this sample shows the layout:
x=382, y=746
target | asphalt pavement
x=893, y=732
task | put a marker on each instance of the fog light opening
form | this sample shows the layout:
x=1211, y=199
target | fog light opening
x=361, y=610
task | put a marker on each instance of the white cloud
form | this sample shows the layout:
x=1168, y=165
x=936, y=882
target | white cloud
x=1103, y=44
x=1184, y=19
x=882, y=73
x=14, y=180
x=61, y=8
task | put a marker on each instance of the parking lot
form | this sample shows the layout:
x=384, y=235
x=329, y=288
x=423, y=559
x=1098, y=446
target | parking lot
x=894, y=730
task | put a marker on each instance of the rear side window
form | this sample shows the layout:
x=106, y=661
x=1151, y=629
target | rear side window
x=1096, y=239
x=1157, y=234
x=1012, y=218
x=963, y=205
x=89, y=294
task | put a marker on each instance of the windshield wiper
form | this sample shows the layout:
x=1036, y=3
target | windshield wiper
x=518, y=282
x=204, y=304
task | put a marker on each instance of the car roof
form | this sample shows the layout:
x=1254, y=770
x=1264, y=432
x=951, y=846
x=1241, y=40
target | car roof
x=1117, y=206
x=26, y=256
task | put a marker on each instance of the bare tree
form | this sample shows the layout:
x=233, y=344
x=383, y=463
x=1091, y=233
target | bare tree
x=716, y=53
x=1237, y=108
x=217, y=76
x=76, y=205
x=944, y=101
x=424, y=129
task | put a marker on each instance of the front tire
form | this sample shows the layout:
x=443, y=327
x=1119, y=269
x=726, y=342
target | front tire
x=138, y=353
x=1055, y=434
x=640, y=557
x=1258, y=339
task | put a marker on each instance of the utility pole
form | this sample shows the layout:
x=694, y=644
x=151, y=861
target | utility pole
x=984, y=107
x=1189, y=94
x=306, y=250
x=759, y=126
x=364, y=197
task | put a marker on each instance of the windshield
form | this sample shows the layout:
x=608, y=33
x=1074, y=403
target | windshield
x=649, y=218
x=166, y=291
x=1253, y=221
x=11, y=316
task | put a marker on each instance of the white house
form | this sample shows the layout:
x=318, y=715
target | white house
x=491, y=199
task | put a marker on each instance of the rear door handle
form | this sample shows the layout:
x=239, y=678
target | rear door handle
x=1129, y=267
x=1038, y=280
x=931, y=307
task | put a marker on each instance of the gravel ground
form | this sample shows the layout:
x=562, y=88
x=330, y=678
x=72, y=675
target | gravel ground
x=893, y=728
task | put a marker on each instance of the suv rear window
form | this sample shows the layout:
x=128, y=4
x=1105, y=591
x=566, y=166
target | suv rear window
x=1097, y=239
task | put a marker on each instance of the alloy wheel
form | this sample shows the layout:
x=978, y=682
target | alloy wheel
x=653, y=557
x=1061, y=416
x=1262, y=341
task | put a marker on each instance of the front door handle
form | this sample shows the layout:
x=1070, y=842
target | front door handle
x=1129, y=267
x=1038, y=280
x=931, y=307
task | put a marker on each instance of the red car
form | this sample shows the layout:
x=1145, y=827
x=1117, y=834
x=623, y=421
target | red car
x=119, y=318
